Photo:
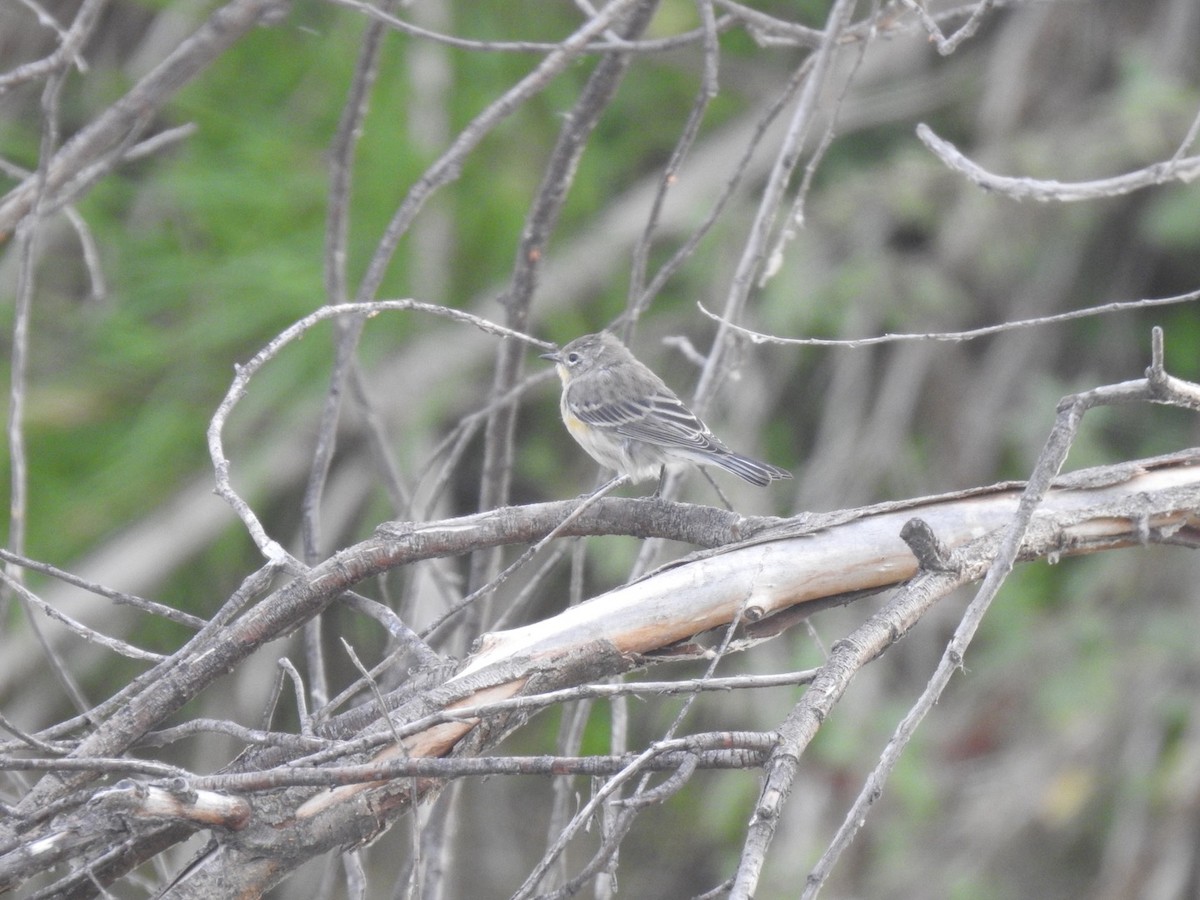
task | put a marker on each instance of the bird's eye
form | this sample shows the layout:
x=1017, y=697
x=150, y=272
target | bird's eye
x=572, y=358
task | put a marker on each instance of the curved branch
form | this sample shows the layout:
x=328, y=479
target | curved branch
x=1182, y=169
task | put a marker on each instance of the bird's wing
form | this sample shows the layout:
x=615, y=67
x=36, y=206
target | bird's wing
x=658, y=418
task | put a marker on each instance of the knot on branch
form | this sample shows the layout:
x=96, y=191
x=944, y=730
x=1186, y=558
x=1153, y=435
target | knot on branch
x=932, y=555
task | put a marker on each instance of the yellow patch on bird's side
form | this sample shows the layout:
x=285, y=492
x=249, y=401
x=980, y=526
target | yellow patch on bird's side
x=577, y=427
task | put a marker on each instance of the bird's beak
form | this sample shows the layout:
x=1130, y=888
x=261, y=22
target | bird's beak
x=553, y=357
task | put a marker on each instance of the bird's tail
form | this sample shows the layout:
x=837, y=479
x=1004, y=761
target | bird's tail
x=752, y=470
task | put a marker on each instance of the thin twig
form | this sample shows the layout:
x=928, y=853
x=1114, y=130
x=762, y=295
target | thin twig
x=753, y=255
x=1188, y=140
x=74, y=625
x=492, y=585
x=446, y=168
x=600, y=45
x=639, y=297
x=289, y=669
x=795, y=216
x=534, y=702
x=252, y=585
x=728, y=191
x=380, y=703
x=397, y=629
x=846, y=658
x=639, y=763
x=298, y=743
x=149, y=606
x=29, y=739
x=1183, y=169
x=346, y=332
x=947, y=45
x=269, y=547
x=68, y=52
x=759, y=337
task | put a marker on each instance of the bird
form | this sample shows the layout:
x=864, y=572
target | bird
x=629, y=421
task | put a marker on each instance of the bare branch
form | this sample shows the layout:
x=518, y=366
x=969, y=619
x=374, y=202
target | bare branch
x=1182, y=169
x=609, y=43
x=969, y=335
x=270, y=548
x=88, y=634
x=947, y=45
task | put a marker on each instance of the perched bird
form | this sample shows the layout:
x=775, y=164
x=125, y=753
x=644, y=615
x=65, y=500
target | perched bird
x=629, y=421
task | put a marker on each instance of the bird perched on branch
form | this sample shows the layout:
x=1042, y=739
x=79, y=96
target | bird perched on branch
x=628, y=420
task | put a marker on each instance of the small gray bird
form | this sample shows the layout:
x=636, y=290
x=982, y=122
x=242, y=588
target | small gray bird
x=629, y=421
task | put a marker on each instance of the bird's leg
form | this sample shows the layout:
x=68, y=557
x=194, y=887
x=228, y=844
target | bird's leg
x=662, y=482
x=716, y=487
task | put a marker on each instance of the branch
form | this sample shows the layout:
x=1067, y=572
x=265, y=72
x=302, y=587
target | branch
x=800, y=561
x=759, y=337
x=270, y=548
x=1176, y=169
x=994, y=561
